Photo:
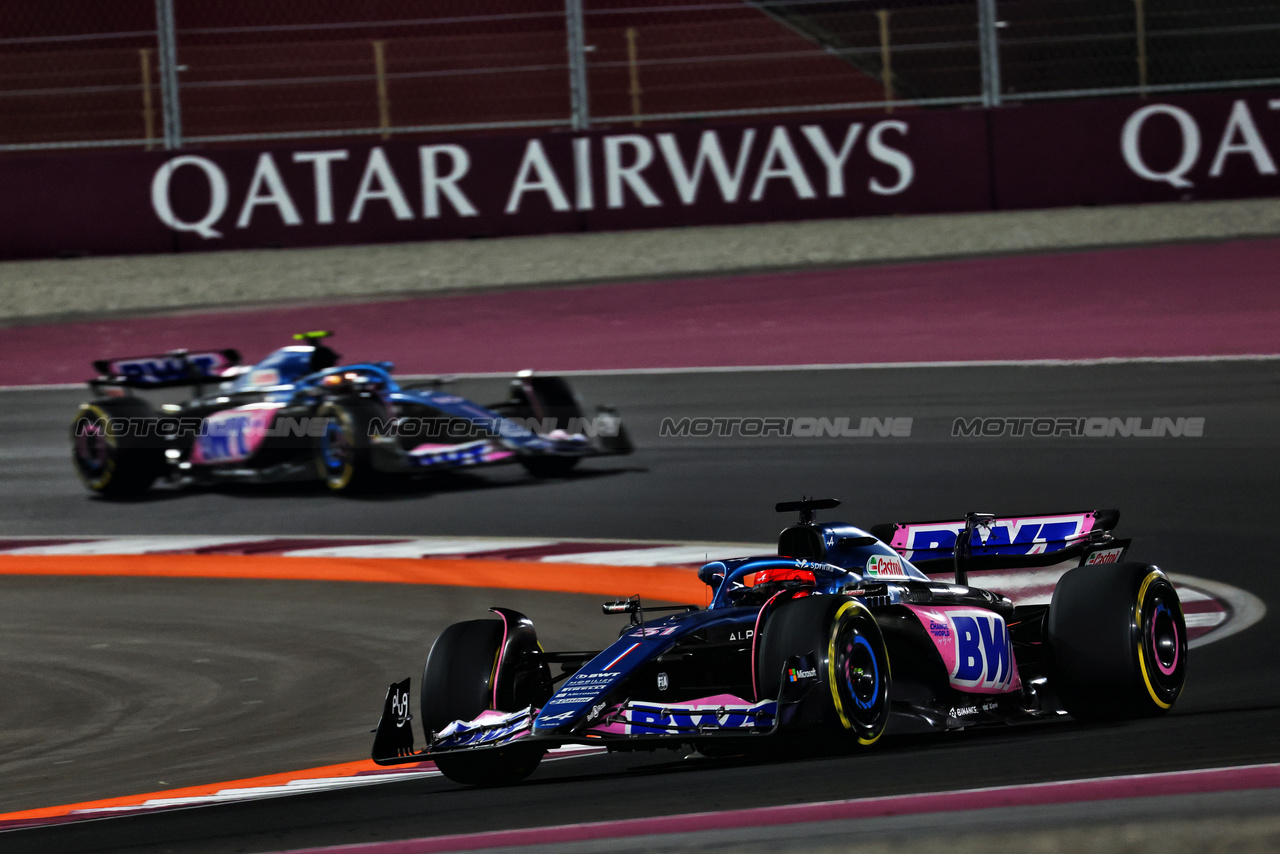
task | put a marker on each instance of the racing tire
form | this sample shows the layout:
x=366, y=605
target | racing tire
x=852, y=663
x=110, y=460
x=556, y=400
x=549, y=466
x=457, y=685
x=1118, y=640
x=490, y=766
x=342, y=453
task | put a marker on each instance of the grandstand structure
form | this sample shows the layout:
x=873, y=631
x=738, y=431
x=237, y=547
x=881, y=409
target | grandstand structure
x=77, y=73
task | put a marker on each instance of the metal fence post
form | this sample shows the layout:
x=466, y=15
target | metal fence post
x=148, y=108
x=578, y=99
x=1140, y=34
x=380, y=76
x=886, y=58
x=168, y=56
x=989, y=48
x=633, y=66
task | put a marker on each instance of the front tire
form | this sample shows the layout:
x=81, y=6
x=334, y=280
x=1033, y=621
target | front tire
x=342, y=453
x=552, y=402
x=852, y=662
x=457, y=685
x=110, y=456
x=549, y=466
x=1119, y=641
x=493, y=766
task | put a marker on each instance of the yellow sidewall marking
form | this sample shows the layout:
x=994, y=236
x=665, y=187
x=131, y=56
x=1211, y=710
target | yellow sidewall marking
x=1142, y=658
x=348, y=469
x=831, y=673
x=110, y=468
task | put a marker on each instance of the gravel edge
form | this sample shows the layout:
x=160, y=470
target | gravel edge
x=63, y=289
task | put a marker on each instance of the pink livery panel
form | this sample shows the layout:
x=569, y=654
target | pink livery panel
x=974, y=645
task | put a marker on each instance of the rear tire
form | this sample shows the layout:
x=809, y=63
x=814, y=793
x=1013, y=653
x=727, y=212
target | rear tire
x=1119, y=641
x=112, y=460
x=852, y=662
x=457, y=685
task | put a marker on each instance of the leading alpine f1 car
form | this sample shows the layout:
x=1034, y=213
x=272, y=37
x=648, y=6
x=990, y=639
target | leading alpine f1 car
x=837, y=638
x=299, y=415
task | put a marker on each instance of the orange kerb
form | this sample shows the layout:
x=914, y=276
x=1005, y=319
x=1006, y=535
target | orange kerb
x=662, y=583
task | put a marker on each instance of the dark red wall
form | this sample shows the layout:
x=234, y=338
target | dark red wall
x=1032, y=156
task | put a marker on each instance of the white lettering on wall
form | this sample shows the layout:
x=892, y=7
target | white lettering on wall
x=717, y=167
x=266, y=175
x=378, y=172
x=833, y=161
x=536, y=175
x=582, y=173
x=781, y=150
x=1131, y=138
x=890, y=157
x=710, y=155
x=161, y=204
x=434, y=184
x=1241, y=125
x=616, y=174
x=322, y=176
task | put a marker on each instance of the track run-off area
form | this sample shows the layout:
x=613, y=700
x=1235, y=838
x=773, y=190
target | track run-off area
x=133, y=675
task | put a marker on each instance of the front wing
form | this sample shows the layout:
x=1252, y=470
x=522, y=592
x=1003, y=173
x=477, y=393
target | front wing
x=632, y=721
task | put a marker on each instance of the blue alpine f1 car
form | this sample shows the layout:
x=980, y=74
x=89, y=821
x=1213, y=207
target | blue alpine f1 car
x=839, y=637
x=300, y=415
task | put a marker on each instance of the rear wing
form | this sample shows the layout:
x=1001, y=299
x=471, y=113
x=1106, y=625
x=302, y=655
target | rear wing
x=175, y=368
x=1007, y=542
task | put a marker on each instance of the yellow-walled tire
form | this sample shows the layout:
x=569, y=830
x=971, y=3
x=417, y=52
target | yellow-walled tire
x=341, y=453
x=113, y=454
x=1118, y=641
x=852, y=663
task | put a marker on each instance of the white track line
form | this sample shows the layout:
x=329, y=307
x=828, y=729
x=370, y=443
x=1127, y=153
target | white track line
x=871, y=366
x=654, y=556
x=420, y=548
x=135, y=545
x=1246, y=609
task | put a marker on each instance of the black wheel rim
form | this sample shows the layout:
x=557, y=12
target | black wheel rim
x=860, y=678
x=1164, y=641
x=335, y=447
x=91, y=446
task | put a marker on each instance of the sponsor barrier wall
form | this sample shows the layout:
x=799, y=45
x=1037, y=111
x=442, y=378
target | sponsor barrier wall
x=1129, y=150
x=910, y=162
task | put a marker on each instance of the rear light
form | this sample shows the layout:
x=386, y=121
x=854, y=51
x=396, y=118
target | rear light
x=767, y=576
x=350, y=380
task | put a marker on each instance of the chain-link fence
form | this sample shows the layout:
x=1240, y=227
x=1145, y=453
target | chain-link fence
x=184, y=72
x=75, y=73
x=1057, y=48
x=280, y=68
x=678, y=60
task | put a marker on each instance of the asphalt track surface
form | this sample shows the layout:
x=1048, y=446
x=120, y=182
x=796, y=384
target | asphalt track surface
x=124, y=685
